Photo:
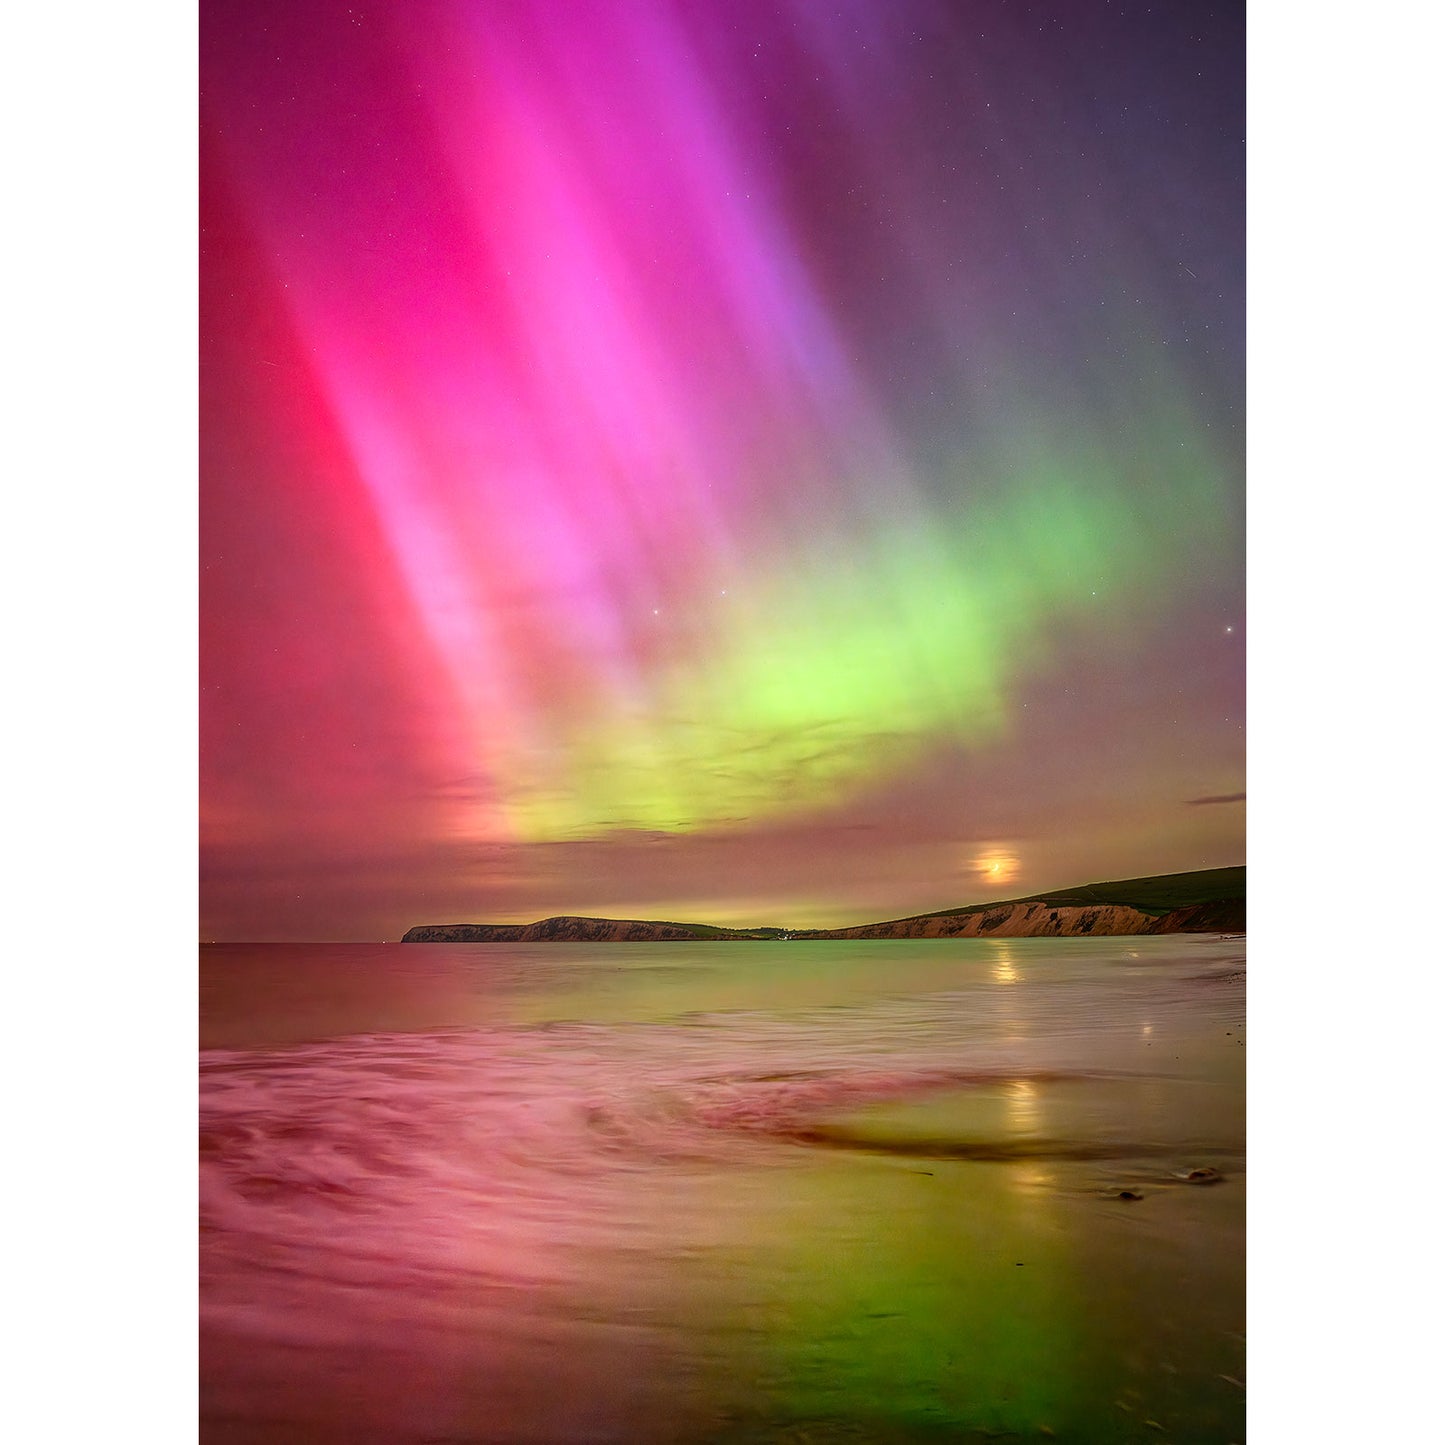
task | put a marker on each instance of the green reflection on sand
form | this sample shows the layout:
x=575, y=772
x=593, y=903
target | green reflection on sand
x=899, y=1298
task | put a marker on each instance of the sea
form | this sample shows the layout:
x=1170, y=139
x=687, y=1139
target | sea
x=902, y=1190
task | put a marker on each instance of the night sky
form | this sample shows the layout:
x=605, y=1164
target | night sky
x=747, y=462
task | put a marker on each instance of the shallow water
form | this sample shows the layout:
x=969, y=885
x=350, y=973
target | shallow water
x=723, y=1192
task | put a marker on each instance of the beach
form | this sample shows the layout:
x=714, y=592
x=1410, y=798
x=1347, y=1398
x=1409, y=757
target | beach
x=880, y=1190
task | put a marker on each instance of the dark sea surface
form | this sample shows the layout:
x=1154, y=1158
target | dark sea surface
x=723, y=1192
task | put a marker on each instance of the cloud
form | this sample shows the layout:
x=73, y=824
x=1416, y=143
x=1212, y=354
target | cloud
x=1218, y=798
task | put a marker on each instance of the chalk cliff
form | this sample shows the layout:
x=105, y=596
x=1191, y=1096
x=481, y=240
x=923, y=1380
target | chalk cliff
x=1006, y=920
x=1050, y=920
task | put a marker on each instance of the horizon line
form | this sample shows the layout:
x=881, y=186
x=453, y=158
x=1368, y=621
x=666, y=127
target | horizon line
x=735, y=928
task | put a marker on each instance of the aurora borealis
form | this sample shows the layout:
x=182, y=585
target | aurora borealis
x=752, y=462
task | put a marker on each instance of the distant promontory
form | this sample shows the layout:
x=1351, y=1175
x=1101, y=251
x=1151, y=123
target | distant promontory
x=1210, y=901
x=570, y=929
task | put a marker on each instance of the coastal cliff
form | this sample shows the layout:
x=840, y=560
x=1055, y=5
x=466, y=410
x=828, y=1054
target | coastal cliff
x=1048, y=920
x=1005, y=920
x=1209, y=901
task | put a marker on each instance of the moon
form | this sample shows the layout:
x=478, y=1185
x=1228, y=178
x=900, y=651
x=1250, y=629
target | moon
x=997, y=864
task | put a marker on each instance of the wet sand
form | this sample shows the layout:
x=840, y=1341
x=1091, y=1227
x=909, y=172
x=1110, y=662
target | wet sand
x=833, y=1191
